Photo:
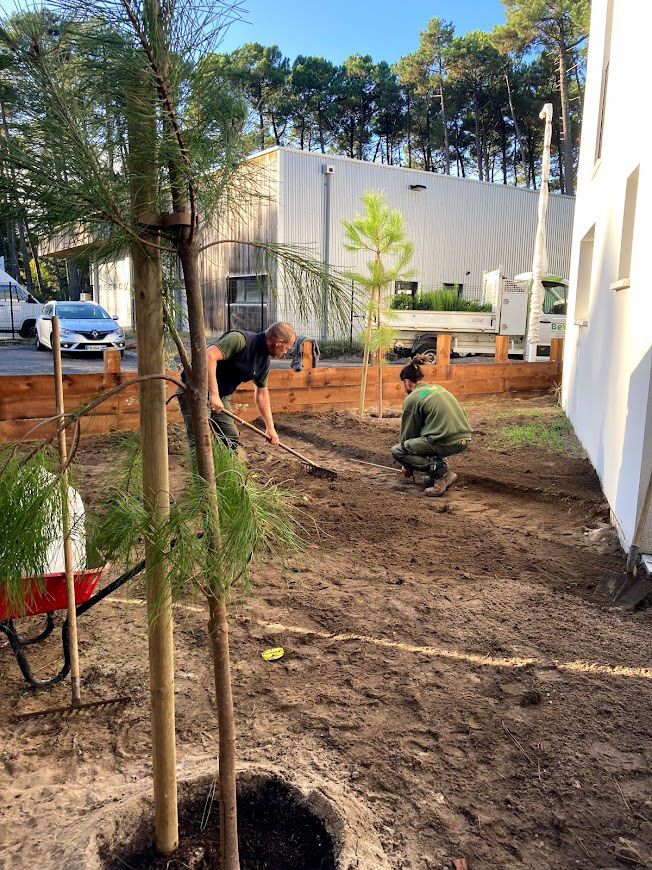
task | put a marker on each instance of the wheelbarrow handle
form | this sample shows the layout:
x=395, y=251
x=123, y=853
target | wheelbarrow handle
x=263, y=435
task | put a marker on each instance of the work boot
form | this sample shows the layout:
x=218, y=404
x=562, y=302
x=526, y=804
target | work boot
x=440, y=485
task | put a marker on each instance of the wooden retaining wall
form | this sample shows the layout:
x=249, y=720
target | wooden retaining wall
x=27, y=400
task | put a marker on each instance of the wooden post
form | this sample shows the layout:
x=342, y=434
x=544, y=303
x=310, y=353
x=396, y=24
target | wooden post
x=65, y=521
x=443, y=350
x=502, y=348
x=112, y=361
x=557, y=351
x=307, y=354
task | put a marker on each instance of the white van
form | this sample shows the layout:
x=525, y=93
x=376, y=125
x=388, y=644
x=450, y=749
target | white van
x=19, y=310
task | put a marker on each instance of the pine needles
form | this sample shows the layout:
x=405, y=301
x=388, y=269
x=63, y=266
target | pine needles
x=255, y=519
x=30, y=507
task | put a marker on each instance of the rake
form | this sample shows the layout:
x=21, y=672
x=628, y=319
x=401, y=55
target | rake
x=313, y=468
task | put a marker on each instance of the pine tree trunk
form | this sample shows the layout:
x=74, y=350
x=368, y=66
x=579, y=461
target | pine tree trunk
x=447, y=156
x=409, y=129
x=73, y=280
x=148, y=292
x=380, y=357
x=197, y=381
x=37, y=262
x=503, y=146
x=365, y=360
x=566, y=123
x=519, y=138
x=29, y=284
x=478, y=141
x=320, y=119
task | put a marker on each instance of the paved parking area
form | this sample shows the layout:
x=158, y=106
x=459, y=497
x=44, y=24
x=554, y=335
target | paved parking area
x=26, y=360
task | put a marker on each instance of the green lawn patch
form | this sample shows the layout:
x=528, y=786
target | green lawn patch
x=549, y=435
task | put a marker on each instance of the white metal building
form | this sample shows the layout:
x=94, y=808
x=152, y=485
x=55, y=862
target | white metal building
x=460, y=227
x=607, y=386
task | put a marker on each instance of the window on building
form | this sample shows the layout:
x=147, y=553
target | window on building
x=447, y=285
x=409, y=287
x=605, y=79
x=627, y=235
x=584, y=270
x=250, y=289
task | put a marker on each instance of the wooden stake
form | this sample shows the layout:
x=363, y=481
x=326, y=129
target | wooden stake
x=112, y=361
x=502, y=348
x=65, y=521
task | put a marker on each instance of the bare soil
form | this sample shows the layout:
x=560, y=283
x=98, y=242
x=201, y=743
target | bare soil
x=446, y=672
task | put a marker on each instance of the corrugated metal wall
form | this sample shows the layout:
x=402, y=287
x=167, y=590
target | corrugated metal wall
x=457, y=225
x=248, y=214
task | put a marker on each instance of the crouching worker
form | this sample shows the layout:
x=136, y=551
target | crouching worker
x=433, y=427
x=238, y=357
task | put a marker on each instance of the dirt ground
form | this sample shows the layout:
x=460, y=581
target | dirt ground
x=445, y=669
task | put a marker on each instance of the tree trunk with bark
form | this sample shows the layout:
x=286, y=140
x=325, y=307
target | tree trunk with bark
x=567, y=134
x=478, y=141
x=517, y=131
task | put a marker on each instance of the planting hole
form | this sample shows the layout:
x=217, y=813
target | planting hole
x=276, y=826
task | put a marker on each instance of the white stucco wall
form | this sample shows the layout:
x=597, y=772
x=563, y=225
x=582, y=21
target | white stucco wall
x=112, y=288
x=607, y=387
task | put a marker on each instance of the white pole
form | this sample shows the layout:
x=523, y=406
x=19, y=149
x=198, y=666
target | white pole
x=540, y=258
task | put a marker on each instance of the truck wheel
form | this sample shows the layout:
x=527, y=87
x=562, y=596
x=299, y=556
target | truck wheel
x=429, y=351
x=28, y=329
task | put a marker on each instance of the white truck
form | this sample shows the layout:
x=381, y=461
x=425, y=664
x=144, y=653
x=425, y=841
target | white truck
x=19, y=310
x=473, y=332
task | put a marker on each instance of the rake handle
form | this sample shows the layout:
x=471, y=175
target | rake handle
x=262, y=434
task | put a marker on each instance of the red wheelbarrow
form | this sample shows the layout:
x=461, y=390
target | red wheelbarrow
x=46, y=601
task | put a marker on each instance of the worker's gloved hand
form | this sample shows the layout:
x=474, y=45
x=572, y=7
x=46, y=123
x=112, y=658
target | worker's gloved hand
x=406, y=471
x=272, y=437
x=215, y=402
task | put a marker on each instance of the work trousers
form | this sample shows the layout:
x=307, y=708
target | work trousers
x=223, y=426
x=427, y=454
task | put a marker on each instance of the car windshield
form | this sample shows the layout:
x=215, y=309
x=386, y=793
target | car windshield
x=81, y=312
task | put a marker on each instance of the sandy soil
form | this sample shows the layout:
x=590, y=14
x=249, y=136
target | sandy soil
x=445, y=670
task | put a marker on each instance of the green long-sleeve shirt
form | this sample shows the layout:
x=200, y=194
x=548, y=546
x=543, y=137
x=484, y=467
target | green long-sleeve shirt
x=432, y=410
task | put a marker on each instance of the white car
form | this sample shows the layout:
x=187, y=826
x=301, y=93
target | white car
x=83, y=326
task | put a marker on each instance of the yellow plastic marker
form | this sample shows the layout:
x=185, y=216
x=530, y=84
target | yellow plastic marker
x=270, y=655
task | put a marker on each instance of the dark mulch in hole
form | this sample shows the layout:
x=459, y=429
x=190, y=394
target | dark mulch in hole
x=275, y=831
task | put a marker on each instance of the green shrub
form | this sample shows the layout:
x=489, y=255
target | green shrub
x=443, y=299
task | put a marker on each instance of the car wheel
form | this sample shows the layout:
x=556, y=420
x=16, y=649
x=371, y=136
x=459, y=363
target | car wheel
x=122, y=353
x=40, y=346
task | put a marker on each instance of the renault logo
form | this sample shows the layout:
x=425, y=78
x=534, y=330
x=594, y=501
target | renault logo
x=95, y=334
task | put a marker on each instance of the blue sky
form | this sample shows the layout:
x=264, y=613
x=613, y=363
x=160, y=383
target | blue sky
x=385, y=29
x=382, y=28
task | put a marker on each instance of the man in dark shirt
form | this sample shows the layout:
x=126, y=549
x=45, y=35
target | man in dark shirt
x=238, y=357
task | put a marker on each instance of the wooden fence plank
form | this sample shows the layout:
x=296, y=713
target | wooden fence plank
x=26, y=400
